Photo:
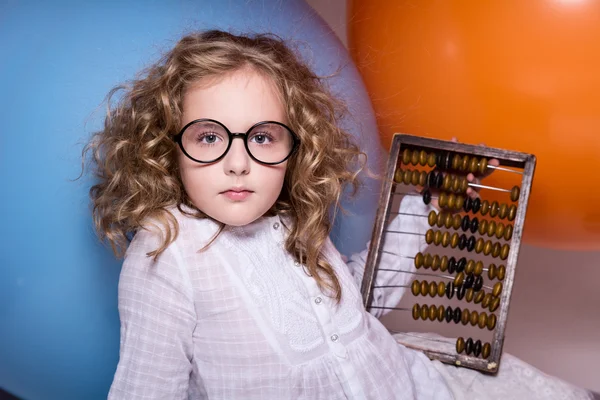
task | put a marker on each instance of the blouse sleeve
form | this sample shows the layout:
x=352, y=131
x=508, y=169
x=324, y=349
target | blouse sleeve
x=399, y=243
x=157, y=320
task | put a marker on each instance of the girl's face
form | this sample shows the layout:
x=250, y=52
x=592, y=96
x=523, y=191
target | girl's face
x=235, y=190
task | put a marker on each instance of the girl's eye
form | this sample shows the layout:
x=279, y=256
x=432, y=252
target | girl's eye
x=207, y=138
x=261, y=138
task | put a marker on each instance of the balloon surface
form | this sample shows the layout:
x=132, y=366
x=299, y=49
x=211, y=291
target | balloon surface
x=59, y=326
x=519, y=75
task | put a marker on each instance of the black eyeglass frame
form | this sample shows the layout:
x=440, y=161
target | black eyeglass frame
x=244, y=136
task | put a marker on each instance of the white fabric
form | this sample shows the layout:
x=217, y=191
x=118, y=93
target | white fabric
x=242, y=321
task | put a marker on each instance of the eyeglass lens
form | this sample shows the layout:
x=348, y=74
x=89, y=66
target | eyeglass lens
x=206, y=141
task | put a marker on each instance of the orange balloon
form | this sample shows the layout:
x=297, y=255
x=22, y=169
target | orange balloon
x=514, y=74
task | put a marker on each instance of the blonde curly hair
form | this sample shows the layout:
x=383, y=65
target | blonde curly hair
x=135, y=156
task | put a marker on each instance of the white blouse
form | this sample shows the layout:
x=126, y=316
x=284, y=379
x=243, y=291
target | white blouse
x=242, y=320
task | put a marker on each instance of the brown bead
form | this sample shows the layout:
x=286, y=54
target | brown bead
x=460, y=345
x=464, y=185
x=497, y=289
x=499, y=230
x=416, y=311
x=414, y=179
x=474, y=318
x=501, y=272
x=474, y=165
x=487, y=349
x=504, y=252
x=459, y=279
x=486, y=300
x=479, y=297
x=508, y=232
x=437, y=238
x=447, y=183
x=428, y=260
x=478, y=268
x=479, y=245
x=494, y=304
x=440, y=221
x=469, y=295
x=441, y=288
x=514, y=193
x=435, y=263
x=465, y=316
x=485, y=207
x=448, y=220
x=424, y=312
x=456, y=184
x=398, y=175
x=423, y=157
x=503, y=210
x=512, y=212
x=496, y=249
x=445, y=239
x=414, y=159
x=483, y=165
x=443, y=200
x=483, y=224
x=494, y=209
x=451, y=201
x=456, y=162
x=456, y=221
x=431, y=159
x=444, y=263
x=483, y=319
x=432, y=218
x=432, y=312
x=406, y=154
x=492, y=271
x=432, y=289
x=470, y=266
x=407, y=177
x=419, y=258
x=422, y=178
x=441, y=313
x=487, y=248
x=491, y=228
x=454, y=240
x=465, y=163
x=424, y=287
x=491, y=322
x=415, y=288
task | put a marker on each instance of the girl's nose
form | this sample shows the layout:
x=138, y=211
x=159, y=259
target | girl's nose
x=237, y=160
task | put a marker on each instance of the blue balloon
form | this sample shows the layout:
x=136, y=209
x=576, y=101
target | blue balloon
x=59, y=325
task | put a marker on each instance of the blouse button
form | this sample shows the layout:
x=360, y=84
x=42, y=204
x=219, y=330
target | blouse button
x=276, y=225
x=334, y=337
x=296, y=263
x=318, y=300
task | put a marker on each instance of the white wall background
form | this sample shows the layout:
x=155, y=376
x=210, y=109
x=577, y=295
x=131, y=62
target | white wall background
x=554, y=318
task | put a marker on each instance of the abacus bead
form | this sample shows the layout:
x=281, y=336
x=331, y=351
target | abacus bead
x=471, y=243
x=494, y=209
x=462, y=242
x=486, y=350
x=483, y=226
x=465, y=163
x=424, y=312
x=487, y=248
x=432, y=218
x=452, y=265
x=496, y=249
x=501, y=272
x=486, y=300
x=424, y=287
x=474, y=318
x=470, y=293
x=432, y=289
x=445, y=239
x=497, y=289
x=460, y=264
x=478, y=284
x=457, y=315
x=503, y=211
x=437, y=238
x=419, y=258
x=492, y=271
x=398, y=175
x=479, y=297
x=431, y=178
x=465, y=317
x=478, y=268
x=432, y=312
x=435, y=264
x=477, y=348
x=414, y=179
x=485, y=207
x=469, y=346
x=447, y=160
x=444, y=263
x=443, y=199
x=456, y=184
x=479, y=245
x=494, y=304
x=459, y=279
x=476, y=205
x=441, y=218
x=460, y=293
x=423, y=178
x=447, y=184
x=407, y=176
x=483, y=165
x=414, y=159
x=448, y=221
x=483, y=319
x=439, y=180
x=500, y=230
x=508, y=232
x=416, y=311
x=406, y=154
x=460, y=345
x=415, y=288
x=465, y=223
x=451, y=201
x=441, y=313
x=470, y=266
x=474, y=225
x=438, y=158
x=456, y=162
x=455, y=239
x=456, y=221
x=504, y=252
x=450, y=290
x=428, y=260
x=512, y=212
x=491, y=322
x=474, y=165
x=491, y=228
x=449, y=314
x=426, y=196
x=468, y=204
x=469, y=280
x=464, y=184
x=423, y=157
x=514, y=193
x=441, y=288
x=431, y=159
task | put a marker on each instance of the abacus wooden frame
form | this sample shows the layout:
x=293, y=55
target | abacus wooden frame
x=507, y=158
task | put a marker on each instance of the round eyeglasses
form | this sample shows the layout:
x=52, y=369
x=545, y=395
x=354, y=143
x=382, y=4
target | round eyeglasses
x=207, y=141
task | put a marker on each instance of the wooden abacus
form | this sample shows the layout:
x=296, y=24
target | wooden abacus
x=444, y=169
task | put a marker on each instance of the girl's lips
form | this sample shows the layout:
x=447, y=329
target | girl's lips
x=237, y=195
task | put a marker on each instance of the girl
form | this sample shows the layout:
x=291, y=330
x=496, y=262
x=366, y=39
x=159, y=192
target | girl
x=224, y=160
